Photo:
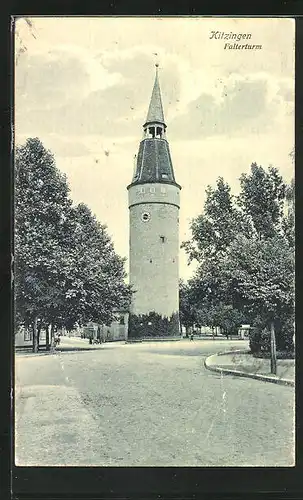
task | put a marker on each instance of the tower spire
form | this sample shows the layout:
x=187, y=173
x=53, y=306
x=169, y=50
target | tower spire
x=154, y=162
x=155, y=110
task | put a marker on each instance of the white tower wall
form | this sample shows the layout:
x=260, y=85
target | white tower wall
x=154, y=247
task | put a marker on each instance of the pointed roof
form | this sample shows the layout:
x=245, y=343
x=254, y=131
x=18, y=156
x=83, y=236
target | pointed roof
x=155, y=110
x=153, y=163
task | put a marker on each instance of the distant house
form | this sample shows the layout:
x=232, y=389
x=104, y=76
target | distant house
x=243, y=331
x=117, y=330
x=24, y=337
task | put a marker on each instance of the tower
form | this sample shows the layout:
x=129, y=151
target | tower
x=154, y=202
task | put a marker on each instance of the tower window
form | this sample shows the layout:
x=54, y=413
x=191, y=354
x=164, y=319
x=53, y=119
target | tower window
x=142, y=190
x=159, y=133
x=163, y=190
x=145, y=216
x=151, y=261
x=152, y=190
x=151, y=131
x=162, y=239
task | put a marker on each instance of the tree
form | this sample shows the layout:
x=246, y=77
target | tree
x=65, y=265
x=216, y=227
x=288, y=222
x=94, y=277
x=41, y=200
x=226, y=317
x=259, y=275
x=186, y=308
x=262, y=199
x=245, y=268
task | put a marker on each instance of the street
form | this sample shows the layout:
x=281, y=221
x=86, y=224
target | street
x=147, y=404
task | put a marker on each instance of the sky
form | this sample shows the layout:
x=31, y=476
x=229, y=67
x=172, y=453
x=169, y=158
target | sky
x=83, y=86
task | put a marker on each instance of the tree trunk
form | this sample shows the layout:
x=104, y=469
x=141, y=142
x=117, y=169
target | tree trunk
x=47, y=338
x=35, y=335
x=213, y=332
x=52, y=339
x=273, y=351
x=186, y=331
x=38, y=333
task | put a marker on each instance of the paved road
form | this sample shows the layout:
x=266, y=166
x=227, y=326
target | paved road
x=147, y=405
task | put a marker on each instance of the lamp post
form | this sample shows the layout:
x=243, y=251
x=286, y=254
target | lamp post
x=273, y=351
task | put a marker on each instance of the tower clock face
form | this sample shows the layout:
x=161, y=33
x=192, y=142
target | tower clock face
x=145, y=217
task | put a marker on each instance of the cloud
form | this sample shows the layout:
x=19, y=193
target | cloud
x=47, y=82
x=66, y=148
x=83, y=87
x=52, y=96
x=245, y=107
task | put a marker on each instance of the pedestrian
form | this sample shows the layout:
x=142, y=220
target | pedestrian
x=192, y=336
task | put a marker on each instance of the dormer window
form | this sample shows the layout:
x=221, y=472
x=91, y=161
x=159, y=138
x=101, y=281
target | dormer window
x=164, y=176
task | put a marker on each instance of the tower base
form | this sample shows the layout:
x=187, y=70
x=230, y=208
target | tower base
x=153, y=326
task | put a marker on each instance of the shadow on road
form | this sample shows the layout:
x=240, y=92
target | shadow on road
x=59, y=350
x=75, y=348
x=82, y=349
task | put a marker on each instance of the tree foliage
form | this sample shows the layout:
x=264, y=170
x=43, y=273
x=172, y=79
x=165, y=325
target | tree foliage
x=244, y=246
x=262, y=198
x=66, y=269
x=153, y=325
x=216, y=227
x=186, y=305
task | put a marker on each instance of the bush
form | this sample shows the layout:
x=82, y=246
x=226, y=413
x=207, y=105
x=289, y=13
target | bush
x=284, y=336
x=259, y=340
x=280, y=355
x=254, y=340
x=152, y=325
x=265, y=340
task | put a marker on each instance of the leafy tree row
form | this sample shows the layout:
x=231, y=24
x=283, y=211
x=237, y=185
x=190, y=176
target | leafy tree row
x=244, y=247
x=66, y=269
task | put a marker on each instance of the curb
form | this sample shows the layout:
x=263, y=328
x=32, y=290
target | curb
x=238, y=373
x=36, y=354
x=155, y=339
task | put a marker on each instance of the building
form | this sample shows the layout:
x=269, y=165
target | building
x=154, y=202
x=24, y=338
x=117, y=330
x=243, y=331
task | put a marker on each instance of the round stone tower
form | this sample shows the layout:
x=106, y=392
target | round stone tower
x=154, y=202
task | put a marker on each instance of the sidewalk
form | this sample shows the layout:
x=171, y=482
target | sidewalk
x=244, y=364
x=65, y=433
x=64, y=342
